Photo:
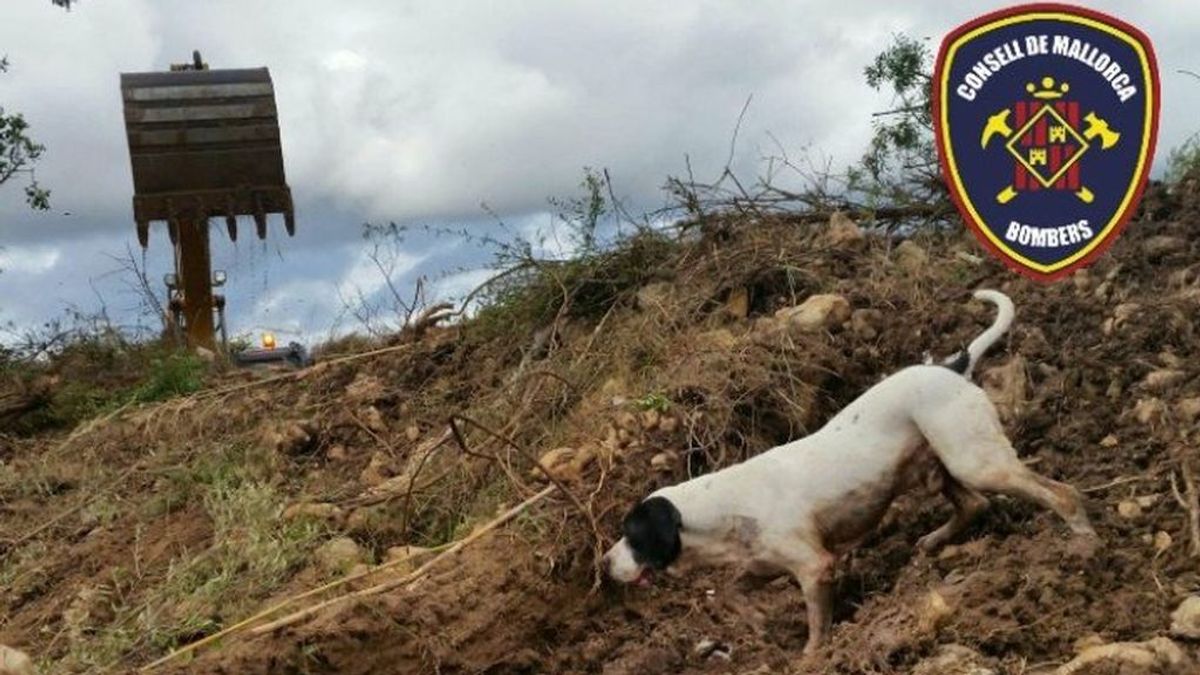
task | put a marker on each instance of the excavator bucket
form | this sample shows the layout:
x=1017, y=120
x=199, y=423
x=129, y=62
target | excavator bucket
x=205, y=144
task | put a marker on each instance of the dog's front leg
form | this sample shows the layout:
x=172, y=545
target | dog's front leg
x=814, y=571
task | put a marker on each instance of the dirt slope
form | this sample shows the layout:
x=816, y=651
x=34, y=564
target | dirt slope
x=670, y=358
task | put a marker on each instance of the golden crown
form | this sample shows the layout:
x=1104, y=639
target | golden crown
x=1048, y=90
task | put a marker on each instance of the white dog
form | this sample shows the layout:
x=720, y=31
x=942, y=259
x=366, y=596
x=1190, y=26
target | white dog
x=795, y=508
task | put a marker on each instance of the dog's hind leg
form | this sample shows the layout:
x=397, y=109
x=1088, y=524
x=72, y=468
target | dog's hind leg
x=967, y=437
x=967, y=504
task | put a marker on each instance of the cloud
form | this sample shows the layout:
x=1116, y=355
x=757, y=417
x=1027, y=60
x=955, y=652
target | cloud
x=418, y=112
x=31, y=260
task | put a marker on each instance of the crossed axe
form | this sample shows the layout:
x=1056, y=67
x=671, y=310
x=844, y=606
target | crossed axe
x=1096, y=128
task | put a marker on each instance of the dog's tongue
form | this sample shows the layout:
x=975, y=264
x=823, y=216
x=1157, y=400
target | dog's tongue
x=646, y=578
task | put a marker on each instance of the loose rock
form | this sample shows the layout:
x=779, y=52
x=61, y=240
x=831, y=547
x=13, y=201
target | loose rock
x=864, y=322
x=955, y=660
x=1129, y=510
x=1185, y=620
x=1188, y=410
x=1159, y=655
x=1149, y=411
x=1163, y=379
x=319, y=511
x=337, y=556
x=14, y=662
x=843, y=232
x=818, y=312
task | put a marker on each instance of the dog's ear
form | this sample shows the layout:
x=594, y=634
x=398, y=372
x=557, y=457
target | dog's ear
x=652, y=531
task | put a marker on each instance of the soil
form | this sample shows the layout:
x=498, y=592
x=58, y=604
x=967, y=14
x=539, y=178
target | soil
x=1083, y=404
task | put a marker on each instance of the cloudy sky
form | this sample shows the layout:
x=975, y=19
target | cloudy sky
x=421, y=112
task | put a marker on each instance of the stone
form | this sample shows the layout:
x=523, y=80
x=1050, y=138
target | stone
x=565, y=464
x=1124, y=312
x=14, y=662
x=206, y=355
x=1163, y=244
x=336, y=453
x=313, y=511
x=932, y=611
x=290, y=437
x=1109, y=441
x=629, y=422
x=1163, y=379
x=338, y=555
x=910, y=257
x=1154, y=656
x=865, y=322
x=843, y=232
x=1185, y=620
x=651, y=420
x=1129, y=510
x=373, y=419
x=817, y=313
x=668, y=424
x=1082, y=280
x=378, y=470
x=1188, y=410
x=955, y=660
x=662, y=462
x=413, y=433
x=1149, y=411
x=1162, y=542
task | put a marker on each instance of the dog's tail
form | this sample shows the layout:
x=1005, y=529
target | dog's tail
x=964, y=362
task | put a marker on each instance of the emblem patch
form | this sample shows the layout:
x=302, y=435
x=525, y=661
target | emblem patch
x=1046, y=118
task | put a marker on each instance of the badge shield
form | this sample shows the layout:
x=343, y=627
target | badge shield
x=1046, y=120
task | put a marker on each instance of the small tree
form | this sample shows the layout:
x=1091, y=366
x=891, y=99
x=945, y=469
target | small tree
x=901, y=164
x=19, y=152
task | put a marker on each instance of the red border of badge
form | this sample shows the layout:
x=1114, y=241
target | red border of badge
x=1142, y=180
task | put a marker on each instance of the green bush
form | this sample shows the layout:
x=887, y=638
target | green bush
x=1184, y=161
x=174, y=375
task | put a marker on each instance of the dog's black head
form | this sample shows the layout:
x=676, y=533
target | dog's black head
x=652, y=531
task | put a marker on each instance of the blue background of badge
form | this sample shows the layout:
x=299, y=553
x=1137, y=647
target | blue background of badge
x=985, y=172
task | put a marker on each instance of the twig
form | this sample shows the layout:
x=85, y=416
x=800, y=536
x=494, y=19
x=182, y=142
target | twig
x=408, y=578
x=597, y=539
x=1114, y=483
x=537, y=463
x=1191, y=502
x=461, y=439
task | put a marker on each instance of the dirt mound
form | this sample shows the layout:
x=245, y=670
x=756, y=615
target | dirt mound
x=664, y=358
